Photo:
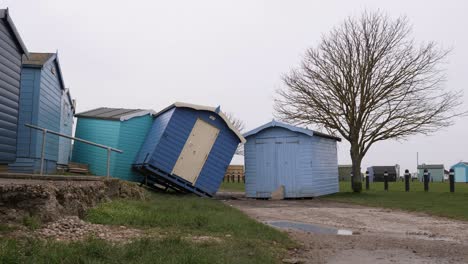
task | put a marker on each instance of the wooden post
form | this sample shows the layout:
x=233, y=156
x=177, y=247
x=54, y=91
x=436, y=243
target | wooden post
x=108, y=161
x=367, y=180
x=452, y=180
x=426, y=180
x=407, y=178
x=385, y=176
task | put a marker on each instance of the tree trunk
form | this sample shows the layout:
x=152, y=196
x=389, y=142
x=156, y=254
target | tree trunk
x=356, y=181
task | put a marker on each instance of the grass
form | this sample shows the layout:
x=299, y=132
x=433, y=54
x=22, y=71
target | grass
x=232, y=186
x=32, y=222
x=438, y=201
x=170, y=220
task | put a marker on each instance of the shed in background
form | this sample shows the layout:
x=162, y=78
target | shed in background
x=189, y=148
x=12, y=49
x=44, y=102
x=436, y=172
x=376, y=173
x=305, y=162
x=123, y=129
x=461, y=171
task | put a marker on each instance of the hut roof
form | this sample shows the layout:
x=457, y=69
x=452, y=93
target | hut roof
x=431, y=166
x=37, y=59
x=305, y=131
x=216, y=110
x=119, y=114
x=5, y=14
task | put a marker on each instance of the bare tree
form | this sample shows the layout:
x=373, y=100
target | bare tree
x=368, y=81
x=239, y=125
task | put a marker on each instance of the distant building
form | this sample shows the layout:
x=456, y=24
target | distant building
x=461, y=171
x=436, y=172
x=344, y=172
x=376, y=173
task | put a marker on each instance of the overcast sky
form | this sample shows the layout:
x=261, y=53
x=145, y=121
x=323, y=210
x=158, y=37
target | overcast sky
x=149, y=54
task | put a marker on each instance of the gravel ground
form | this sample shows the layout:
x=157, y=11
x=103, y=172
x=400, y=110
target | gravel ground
x=380, y=235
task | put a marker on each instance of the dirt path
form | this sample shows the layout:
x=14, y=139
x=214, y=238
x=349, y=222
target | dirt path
x=380, y=235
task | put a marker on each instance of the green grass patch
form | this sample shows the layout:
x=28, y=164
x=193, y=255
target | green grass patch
x=171, y=221
x=438, y=201
x=32, y=222
x=232, y=186
x=6, y=228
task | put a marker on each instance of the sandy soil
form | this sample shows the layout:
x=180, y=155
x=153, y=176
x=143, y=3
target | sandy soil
x=380, y=235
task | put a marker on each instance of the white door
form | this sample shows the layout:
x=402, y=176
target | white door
x=460, y=174
x=196, y=151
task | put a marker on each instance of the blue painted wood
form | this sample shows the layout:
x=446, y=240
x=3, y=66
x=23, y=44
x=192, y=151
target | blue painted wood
x=41, y=105
x=10, y=68
x=306, y=165
x=66, y=127
x=167, y=138
x=461, y=172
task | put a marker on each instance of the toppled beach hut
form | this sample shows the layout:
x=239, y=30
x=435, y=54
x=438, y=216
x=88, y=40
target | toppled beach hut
x=377, y=173
x=12, y=49
x=279, y=156
x=188, y=148
x=120, y=128
x=44, y=102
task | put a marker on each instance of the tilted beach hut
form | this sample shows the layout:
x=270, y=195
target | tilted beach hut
x=303, y=161
x=42, y=104
x=189, y=148
x=12, y=49
x=123, y=129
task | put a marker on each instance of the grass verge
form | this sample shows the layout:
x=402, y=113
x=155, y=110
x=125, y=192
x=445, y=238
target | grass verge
x=438, y=201
x=171, y=222
x=232, y=186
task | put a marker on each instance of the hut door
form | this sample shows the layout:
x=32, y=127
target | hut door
x=460, y=174
x=266, y=166
x=286, y=150
x=196, y=151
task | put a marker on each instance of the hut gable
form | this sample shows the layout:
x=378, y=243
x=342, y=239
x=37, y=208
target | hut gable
x=12, y=49
x=301, y=160
x=41, y=104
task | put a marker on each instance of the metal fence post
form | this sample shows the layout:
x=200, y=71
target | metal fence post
x=407, y=178
x=44, y=137
x=426, y=180
x=367, y=180
x=108, y=161
x=385, y=176
x=452, y=180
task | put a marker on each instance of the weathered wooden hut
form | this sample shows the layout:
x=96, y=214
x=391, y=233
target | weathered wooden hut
x=12, y=49
x=123, y=129
x=376, y=173
x=461, y=171
x=44, y=102
x=302, y=161
x=189, y=148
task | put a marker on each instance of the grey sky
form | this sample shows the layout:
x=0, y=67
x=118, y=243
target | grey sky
x=148, y=54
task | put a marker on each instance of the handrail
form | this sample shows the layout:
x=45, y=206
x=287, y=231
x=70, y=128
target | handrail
x=44, y=133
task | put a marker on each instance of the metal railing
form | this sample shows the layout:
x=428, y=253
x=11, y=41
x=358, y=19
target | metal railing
x=44, y=136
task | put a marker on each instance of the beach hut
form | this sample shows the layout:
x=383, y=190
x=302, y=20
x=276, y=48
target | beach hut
x=461, y=171
x=344, y=172
x=123, y=129
x=436, y=172
x=299, y=161
x=189, y=148
x=12, y=49
x=41, y=104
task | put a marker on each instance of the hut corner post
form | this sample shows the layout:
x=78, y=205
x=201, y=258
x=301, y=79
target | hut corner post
x=44, y=136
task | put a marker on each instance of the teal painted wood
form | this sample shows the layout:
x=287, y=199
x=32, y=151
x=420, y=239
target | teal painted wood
x=307, y=166
x=461, y=172
x=40, y=105
x=127, y=136
x=132, y=135
x=10, y=69
x=105, y=132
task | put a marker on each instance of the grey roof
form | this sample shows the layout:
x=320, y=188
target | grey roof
x=431, y=166
x=120, y=114
x=37, y=59
x=5, y=14
x=290, y=127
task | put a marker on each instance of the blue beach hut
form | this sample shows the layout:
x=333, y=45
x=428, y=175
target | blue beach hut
x=302, y=161
x=123, y=129
x=461, y=171
x=12, y=49
x=189, y=148
x=44, y=102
